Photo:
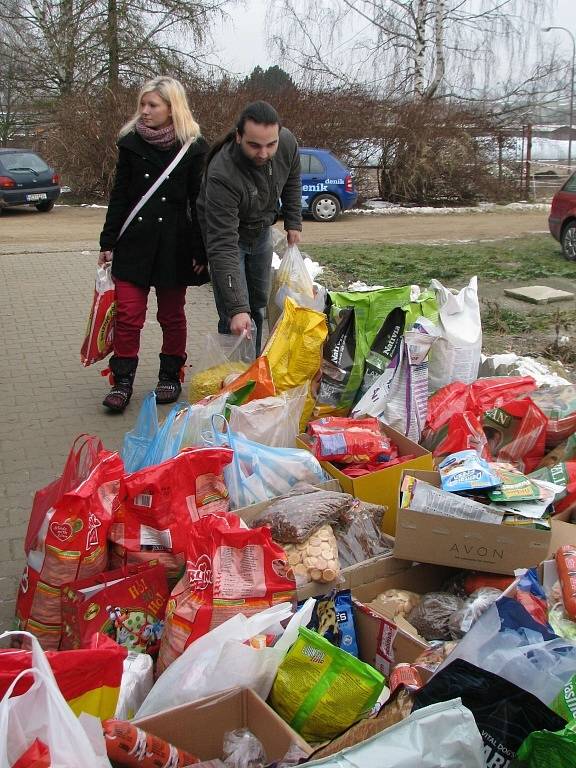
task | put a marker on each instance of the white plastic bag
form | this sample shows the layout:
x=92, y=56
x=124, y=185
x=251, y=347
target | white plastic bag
x=455, y=356
x=220, y=660
x=137, y=682
x=541, y=667
x=271, y=421
x=43, y=713
x=292, y=279
x=442, y=735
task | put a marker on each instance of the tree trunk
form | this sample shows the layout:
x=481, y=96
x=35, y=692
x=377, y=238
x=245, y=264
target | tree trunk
x=420, y=47
x=440, y=59
x=113, y=46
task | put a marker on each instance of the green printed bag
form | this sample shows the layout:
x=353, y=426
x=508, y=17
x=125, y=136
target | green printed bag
x=371, y=308
x=546, y=749
x=321, y=690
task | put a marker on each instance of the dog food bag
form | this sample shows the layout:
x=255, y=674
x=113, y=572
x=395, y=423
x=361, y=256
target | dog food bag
x=333, y=618
x=321, y=690
x=541, y=749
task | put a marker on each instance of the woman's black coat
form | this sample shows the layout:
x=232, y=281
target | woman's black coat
x=159, y=245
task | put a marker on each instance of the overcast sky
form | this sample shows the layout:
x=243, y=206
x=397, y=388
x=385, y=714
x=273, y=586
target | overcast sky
x=241, y=42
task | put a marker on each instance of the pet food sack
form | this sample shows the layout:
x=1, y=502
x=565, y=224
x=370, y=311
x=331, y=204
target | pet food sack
x=558, y=404
x=127, y=604
x=71, y=544
x=516, y=433
x=337, y=362
x=455, y=356
x=320, y=690
x=333, y=618
x=157, y=506
x=371, y=308
x=294, y=350
x=563, y=474
x=229, y=570
x=99, y=339
x=505, y=714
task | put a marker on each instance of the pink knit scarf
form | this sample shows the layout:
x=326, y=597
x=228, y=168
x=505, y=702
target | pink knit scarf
x=161, y=138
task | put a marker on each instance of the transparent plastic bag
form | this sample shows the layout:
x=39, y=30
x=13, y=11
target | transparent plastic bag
x=290, y=279
x=225, y=354
x=261, y=472
x=272, y=421
x=293, y=518
x=242, y=749
x=431, y=617
x=478, y=602
x=362, y=539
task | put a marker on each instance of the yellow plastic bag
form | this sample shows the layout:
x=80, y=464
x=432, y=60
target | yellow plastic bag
x=294, y=350
x=321, y=690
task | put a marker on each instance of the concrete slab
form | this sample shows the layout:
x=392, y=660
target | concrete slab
x=538, y=294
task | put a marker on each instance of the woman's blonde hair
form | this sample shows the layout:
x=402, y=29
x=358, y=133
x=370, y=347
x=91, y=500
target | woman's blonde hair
x=172, y=92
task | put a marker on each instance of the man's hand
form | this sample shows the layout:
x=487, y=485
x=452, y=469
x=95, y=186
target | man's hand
x=293, y=236
x=104, y=258
x=241, y=323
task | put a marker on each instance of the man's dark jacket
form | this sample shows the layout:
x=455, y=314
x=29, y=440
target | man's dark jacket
x=237, y=201
x=160, y=243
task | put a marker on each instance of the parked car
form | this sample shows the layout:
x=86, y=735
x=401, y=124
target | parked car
x=562, y=219
x=327, y=186
x=25, y=179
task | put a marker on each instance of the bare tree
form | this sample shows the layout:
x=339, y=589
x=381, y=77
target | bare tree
x=77, y=44
x=403, y=48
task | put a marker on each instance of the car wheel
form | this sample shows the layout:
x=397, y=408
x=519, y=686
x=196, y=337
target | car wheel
x=569, y=241
x=45, y=206
x=325, y=207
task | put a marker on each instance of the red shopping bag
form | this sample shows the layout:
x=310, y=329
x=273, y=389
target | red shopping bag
x=71, y=544
x=99, y=339
x=127, y=604
x=81, y=460
x=516, y=432
x=229, y=570
x=157, y=505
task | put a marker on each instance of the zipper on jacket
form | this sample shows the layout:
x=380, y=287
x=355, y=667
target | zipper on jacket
x=229, y=281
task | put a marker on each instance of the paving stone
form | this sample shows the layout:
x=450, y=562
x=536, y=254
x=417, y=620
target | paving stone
x=50, y=398
x=538, y=294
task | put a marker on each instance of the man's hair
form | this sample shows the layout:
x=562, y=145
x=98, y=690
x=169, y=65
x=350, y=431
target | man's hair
x=259, y=112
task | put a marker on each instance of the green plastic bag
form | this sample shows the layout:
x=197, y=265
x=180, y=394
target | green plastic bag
x=321, y=690
x=371, y=308
x=544, y=749
x=565, y=702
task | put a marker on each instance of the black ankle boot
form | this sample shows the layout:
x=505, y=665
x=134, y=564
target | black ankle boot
x=123, y=373
x=170, y=376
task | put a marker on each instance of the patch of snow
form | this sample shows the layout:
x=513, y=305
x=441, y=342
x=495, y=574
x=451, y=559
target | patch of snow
x=382, y=208
x=92, y=205
x=511, y=364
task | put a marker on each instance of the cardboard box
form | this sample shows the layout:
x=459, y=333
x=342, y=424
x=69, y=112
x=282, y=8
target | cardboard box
x=369, y=570
x=199, y=727
x=381, y=642
x=467, y=544
x=380, y=487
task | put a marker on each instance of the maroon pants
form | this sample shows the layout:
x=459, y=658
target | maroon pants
x=131, y=303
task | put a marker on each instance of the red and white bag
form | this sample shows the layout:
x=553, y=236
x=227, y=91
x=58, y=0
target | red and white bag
x=70, y=544
x=99, y=339
x=229, y=570
x=157, y=506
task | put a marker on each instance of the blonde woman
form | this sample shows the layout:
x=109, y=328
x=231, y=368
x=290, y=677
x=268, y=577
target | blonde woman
x=162, y=245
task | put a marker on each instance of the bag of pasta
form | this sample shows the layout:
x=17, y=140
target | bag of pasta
x=225, y=355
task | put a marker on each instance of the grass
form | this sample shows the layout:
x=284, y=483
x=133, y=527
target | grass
x=514, y=260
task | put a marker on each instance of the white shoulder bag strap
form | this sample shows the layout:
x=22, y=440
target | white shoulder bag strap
x=164, y=175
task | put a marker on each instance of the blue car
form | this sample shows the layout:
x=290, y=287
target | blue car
x=327, y=186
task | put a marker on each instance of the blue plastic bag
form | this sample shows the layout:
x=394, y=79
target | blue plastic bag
x=138, y=440
x=260, y=472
